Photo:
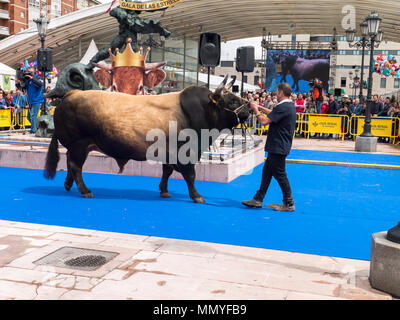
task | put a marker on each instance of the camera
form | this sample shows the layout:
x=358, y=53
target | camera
x=23, y=75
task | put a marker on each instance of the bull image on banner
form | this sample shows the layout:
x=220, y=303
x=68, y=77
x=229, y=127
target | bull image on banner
x=298, y=68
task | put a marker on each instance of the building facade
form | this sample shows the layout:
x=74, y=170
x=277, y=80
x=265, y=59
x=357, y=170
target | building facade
x=18, y=15
x=346, y=65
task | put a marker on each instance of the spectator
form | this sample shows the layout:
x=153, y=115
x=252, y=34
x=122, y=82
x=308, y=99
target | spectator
x=363, y=110
x=8, y=98
x=310, y=107
x=268, y=103
x=386, y=108
x=300, y=103
x=325, y=106
x=19, y=103
x=333, y=105
x=318, y=94
x=34, y=88
x=3, y=103
x=377, y=106
x=344, y=110
x=356, y=108
x=394, y=110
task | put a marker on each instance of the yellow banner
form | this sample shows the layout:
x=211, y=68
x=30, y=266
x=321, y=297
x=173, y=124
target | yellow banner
x=5, y=118
x=148, y=5
x=379, y=127
x=325, y=124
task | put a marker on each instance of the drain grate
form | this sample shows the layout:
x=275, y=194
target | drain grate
x=86, y=261
x=77, y=258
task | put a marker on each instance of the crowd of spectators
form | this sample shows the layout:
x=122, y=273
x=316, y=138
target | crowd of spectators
x=304, y=103
x=331, y=105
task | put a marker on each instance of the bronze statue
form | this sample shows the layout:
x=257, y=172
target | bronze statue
x=130, y=24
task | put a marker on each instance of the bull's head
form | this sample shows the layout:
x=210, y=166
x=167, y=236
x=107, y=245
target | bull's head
x=74, y=76
x=130, y=80
x=232, y=108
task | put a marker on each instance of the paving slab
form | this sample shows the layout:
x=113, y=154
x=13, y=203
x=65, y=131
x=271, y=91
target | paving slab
x=172, y=269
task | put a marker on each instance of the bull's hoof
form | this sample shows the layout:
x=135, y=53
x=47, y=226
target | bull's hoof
x=199, y=200
x=88, y=195
x=165, y=195
x=67, y=186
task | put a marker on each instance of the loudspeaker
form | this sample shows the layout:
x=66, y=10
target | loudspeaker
x=45, y=60
x=245, y=59
x=338, y=92
x=209, y=49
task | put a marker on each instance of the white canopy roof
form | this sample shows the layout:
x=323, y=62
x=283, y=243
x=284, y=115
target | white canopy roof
x=90, y=52
x=4, y=69
x=69, y=35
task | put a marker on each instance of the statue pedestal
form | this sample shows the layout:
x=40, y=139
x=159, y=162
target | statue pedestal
x=366, y=144
x=385, y=265
x=33, y=156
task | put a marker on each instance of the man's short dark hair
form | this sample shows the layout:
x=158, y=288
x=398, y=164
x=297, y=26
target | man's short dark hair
x=285, y=88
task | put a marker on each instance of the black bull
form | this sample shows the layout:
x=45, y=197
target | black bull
x=304, y=69
x=117, y=124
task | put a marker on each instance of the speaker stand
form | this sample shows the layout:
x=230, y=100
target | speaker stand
x=208, y=78
x=241, y=89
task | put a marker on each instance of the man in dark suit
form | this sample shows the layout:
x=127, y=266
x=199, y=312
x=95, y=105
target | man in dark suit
x=282, y=124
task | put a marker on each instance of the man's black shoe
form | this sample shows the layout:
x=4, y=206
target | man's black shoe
x=253, y=203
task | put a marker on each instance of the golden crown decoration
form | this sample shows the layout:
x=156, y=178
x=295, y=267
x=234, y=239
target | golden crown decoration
x=129, y=58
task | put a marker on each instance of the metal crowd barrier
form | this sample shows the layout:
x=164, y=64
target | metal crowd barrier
x=384, y=127
x=324, y=124
x=10, y=118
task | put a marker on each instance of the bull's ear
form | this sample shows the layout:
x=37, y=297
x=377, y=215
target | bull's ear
x=230, y=84
x=153, y=78
x=103, y=77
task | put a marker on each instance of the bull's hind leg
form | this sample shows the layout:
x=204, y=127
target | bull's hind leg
x=167, y=171
x=69, y=180
x=77, y=155
x=189, y=174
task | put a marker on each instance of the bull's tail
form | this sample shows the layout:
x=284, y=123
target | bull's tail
x=52, y=159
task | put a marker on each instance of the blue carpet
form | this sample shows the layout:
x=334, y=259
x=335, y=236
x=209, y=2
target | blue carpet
x=338, y=208
x=353, y=157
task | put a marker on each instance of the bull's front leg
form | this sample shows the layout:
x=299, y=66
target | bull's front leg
x=189, y=174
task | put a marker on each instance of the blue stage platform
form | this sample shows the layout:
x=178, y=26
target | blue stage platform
x=337, y=208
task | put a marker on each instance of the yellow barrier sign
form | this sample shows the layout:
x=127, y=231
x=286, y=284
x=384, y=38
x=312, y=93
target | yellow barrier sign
x=379, y=127
x=5, y=118
x=322, y=124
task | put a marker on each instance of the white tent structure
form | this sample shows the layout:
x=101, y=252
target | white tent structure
x=90, y=52
x=7, y=77
x=216, y=80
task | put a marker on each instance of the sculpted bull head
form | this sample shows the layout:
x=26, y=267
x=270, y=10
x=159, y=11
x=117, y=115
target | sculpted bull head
x=131, y=80
x=74, y=76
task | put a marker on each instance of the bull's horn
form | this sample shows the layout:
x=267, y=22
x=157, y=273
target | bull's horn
x=230, y=84
x=102, y=66
x=221, y=87
x=154, y=66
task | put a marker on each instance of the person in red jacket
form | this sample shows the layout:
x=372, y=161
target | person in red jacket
x=325, y=107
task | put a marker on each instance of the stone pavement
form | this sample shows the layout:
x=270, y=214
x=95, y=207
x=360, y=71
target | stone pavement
x=159, y=268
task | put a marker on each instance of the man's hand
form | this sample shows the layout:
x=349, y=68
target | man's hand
x=254, y=107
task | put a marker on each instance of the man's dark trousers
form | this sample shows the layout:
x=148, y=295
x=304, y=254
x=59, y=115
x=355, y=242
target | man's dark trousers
x=275, y=166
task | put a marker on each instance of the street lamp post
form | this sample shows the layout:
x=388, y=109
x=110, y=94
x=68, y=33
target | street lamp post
x=41, y=25
x=366, y=142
